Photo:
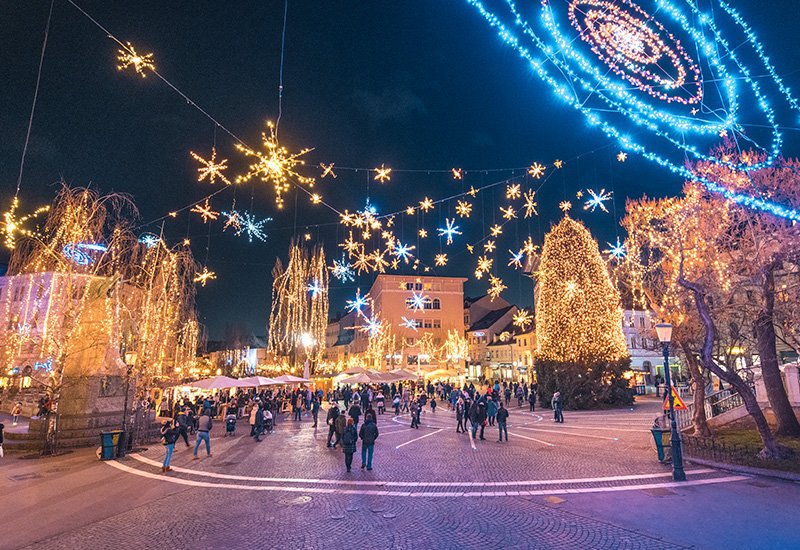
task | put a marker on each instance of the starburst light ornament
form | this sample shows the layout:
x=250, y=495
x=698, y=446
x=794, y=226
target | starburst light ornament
x=314, y=288
x=616, y=251
x=204, y=276
x=508, y=213
x=536, y=170
x=530, y=203
x=403, y=251
x=522, y=319
x=13, y=226
x=149, y=240
x=496, y=230
x=496, y=287
x=358, y=303
x=458, y=173
x=472, y=191
x=383, y=174
x=426, y=204
x=372, y=326
x=558, y=163
x=440, y=260
x=128, y=57
x=565, y=206
x=342, y=270
x=417, y=301
x=622, y=156
x=410, y=210
x=516, y=259
x=489, y=246
x=205, y=211
x=423, y=233
x=449, y=230
x=597, y=200
x=464, y=209
x=409, y=323
x=484, y=264
x=274, y=164
x=327, y=170
x=513, y=191
x=210, y=168
x=252, y=227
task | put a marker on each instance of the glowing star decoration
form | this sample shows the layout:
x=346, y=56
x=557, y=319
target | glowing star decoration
x=316, y=198
x=426, y=204
x=423, y=233
x=186, y=242
x=516, y=258
x=410, y=210
x=464, y=209
x=350, y=245
x=149, y=240
x=274, y=164
x=252, y=227
x=496, y=287
x=327, y=170
x=472, y=191
x=358, y=303
x=558, y=163
x=128, y=57
x=471, y=249
x=409, y=323
x=205, y=211
x=372, y=326
x=210, y=168
x=13, y=226
x=204, y=276
x=449, y=230
x=530, y=203
x=417, y=301
x=496, y=230
x=622, y=156
x=382, y=174
x=513, y=191
x=579, y=194
x=570, y=289
x=484, y=264
x=458, y=173
x=403, y=251
x=379, y=263
x=80, y=253
x=440, y=260
x=536, y=170
x=342, y=270
x=489, y=246
x=597, y=200
x=395, y=264
x=508, y=213
x=641, y=70
x=616, y=251
x=565, y=206
x=363, y=262
x=314, y=289
x=522, y=319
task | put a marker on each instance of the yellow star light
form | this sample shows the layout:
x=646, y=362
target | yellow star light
x=12, y=226
x=558, y=163
x=379, y=263
x=275, y=164
x=316, y=198
x=129, y=58
x=464, y=209
x=528, y=247
x=496, y=287
x=485, y=264
x=472, y=191
x=423, y=233
x=426, y=204
x=327, y=170
x=234, y=220
x=396, y=264
x=522, y=319
x=362, y=262
x=458, y=173
x=471, y=249
x=210, y=168
x=409, y=210
x=307, y=236
x=383, y=174
x=536, y=170
x=205, y=211
x=513, y=191
x=530, y=203
x=622, y=156
x=489, y=246
x=204, y=276
x=565, y=206
x=508, y=213
x=441, y=259
x=350, y=245
x=186, y=242
x=579, y=194
x=390, y=221
x=496, y=230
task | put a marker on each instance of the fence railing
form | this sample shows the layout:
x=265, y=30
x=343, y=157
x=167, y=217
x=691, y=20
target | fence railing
x=718, y=451
x=714, y=405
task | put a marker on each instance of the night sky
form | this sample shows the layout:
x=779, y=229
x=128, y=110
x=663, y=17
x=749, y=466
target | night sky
x=412, y=84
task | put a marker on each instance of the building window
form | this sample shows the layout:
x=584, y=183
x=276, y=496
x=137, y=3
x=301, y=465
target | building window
x=641, y=322
x=418, y=286
x=410, y=341
x=409, y=286
x=466, y=320
x=437, y=304
x=428, y=323
x=437, y=323
x=633, y=342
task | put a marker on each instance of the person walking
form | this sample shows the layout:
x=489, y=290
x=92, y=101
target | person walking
x=459, y=406
x=330, y=420
x=182, y=425
x=169, y=435
x=556, y=403
x=355, y=411
x=502, y=418
x=433, y=404
x=340, y=424
x=315, y=410
x=298, y=406
x=204, y=425
x=396, y=403
x=254, y=417
x=368, y=435
x=15, y=412
x=474, y=418
x=349, y=440
x=532, y=401
x=491, y=409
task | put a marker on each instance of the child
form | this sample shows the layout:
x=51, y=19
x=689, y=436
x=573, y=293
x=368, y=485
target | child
x=433, y=404
x=15, y=412
x=230, y=423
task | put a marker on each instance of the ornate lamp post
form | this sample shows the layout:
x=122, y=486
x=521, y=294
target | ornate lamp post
x=664, y=332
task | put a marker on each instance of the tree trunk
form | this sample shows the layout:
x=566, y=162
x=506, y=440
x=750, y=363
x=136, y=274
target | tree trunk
x=771, y=448
x=767, y=351
x=699, y=413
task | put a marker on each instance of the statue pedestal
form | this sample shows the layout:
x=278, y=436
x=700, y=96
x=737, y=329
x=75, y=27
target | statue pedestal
x=90, y=405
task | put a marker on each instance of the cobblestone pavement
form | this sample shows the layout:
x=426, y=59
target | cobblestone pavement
x=592, y=482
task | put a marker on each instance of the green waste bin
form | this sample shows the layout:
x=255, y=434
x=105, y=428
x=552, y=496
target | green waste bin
x=109, y=442
x=663, y=439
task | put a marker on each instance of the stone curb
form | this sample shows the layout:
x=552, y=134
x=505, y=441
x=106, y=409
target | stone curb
x=748, y=470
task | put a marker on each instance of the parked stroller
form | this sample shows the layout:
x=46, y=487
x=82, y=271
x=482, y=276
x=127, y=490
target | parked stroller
x=230, y=425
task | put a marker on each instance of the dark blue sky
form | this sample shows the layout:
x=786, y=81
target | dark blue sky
x=412, y=83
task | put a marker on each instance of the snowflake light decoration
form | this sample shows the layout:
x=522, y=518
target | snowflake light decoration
x=496, y=287
x=327, y=170
x=379, y=263
x=372, y=326
x=536, y=170
x=342, y=270
x=205, y=211
x=508, y=213
x=252, y=227
x=484, y=264
x=597, y=200
x=464, y=209
x=565, y=206
x=516, y=258
x=383, y=174
x=622, y=156
x=423, y=233
x=449, y=230
x=426, y=204
x=417, y=301
x=530, y=203
x=149, y=240
x=558, y=163
x=275, y=164
x=472, y=191
x=129, y=58
x=458, y=173
x=358, y=303
x=440, y=260
x=13, y=226
x=80, y=253
x=489, y=246
x=522, y=319
x=210, y=168
x=314, y=288
x=204, y=276
x=403, y=251
x=409, y=323
x=496, y=230
x=513, y=191
x=410, y=210
x=616, y=251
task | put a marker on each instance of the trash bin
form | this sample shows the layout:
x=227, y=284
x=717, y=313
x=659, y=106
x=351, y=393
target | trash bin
x=663, y=439
x=109, y=442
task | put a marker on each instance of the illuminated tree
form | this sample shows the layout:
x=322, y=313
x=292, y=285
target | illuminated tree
x=581, y=347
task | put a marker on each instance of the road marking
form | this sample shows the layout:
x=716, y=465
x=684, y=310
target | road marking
x=612, y=429
x=321, y=490
x=569, y=433
x=395, y=431
x=418, y=438
x=532, y=438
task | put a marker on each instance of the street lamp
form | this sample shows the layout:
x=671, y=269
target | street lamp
x=130, y=362
x=664, y=332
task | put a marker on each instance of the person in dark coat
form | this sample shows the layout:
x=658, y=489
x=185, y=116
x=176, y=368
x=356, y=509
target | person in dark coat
x=169, y=435
x=315, y=410
x=368, y=435
x=333, y=414
x=532, y=400
x=340, y=424
x=557, y=404
x=182, y=425
x=355, y=414
x=460, y=428
x=502, y=418
x=349, y=441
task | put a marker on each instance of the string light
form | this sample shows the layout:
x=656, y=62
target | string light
x=508, y=213
x=80, y=253
x=13, y=226
x=205, y=211
x=616, y=251
x=210, y=168
x=458, y=173
x=140, y=63
x=496, y=287
x=522, y=319
x=426, y=204
x=274, y=164
x=449, y=230
x=464, y=209
x=383, y=174
x=204, y=276
x=342, y=270
x=597, y=200
x=536, y=170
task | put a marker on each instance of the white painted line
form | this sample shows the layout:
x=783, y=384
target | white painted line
x=417, y=439
x=570, y=433
x=628, y=477
x=396, y=431
x=606, y=428
x=532, y=438
x=426, y=494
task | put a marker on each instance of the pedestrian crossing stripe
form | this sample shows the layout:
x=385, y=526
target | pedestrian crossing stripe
x=678, y=403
